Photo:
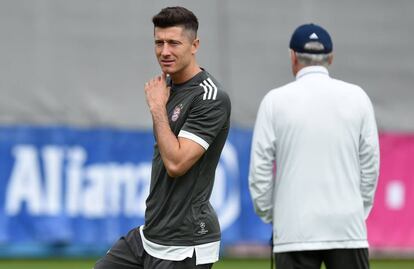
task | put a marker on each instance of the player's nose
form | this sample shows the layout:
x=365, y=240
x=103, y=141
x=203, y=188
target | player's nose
x=165, y=50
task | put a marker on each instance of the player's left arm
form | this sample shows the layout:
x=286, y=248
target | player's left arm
x=178, y=154
x=368, y=157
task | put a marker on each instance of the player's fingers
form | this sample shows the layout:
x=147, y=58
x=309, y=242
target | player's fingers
x=164, y=76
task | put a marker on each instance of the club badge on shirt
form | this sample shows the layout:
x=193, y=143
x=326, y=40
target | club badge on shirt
x=176, y=112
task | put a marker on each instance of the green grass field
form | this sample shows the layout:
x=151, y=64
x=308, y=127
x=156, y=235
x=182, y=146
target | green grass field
x=223, y=264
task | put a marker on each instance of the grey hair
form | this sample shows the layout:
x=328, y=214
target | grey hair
x=308, y=59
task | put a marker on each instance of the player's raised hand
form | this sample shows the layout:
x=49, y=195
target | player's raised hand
x=157, y=92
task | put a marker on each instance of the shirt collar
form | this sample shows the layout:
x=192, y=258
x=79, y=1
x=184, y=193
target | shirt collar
x=314, y=69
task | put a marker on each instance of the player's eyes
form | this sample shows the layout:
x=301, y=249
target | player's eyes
x=159, y=43
x=174, y=43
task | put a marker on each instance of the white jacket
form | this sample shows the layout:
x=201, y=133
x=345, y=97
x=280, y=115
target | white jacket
x=322, y=135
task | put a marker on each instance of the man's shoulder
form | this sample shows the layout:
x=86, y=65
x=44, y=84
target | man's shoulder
x=350, y=89
x=346, y=84
x=210, y=90
x=280, y=91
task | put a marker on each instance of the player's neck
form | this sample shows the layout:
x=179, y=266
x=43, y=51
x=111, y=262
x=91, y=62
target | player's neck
x=186, y=74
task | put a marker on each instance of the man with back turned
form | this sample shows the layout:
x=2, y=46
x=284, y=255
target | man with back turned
x=322, y=135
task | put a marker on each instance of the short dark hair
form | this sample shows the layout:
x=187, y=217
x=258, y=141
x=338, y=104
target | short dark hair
x=176, y=16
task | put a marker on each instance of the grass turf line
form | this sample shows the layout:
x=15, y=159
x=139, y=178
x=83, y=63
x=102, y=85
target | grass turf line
x=222, y=264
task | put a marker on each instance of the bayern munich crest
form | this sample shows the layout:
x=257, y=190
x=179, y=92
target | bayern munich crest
x=176, y=112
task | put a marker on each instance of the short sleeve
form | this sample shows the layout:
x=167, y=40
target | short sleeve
x=206, y=118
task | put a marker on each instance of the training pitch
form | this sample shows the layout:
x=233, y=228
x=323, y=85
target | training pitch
x=222, y=264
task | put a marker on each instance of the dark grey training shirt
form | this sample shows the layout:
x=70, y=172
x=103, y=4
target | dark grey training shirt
x=178, y=210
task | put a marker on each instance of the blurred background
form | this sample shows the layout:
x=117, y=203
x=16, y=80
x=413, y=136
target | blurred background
x=76, y=135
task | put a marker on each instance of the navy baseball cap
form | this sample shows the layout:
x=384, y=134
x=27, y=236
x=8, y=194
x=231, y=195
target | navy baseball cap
x=311, y=38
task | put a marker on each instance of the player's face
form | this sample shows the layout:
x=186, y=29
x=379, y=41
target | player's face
x=175, y=49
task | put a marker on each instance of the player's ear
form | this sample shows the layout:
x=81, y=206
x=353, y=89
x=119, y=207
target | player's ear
x=330, y=59
x=293, y=57
x=195, y=45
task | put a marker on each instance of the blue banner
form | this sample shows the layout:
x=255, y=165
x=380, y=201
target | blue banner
x=83, y=188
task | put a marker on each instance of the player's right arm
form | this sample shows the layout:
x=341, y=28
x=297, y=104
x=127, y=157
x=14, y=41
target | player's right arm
x=263, y=152
x=178, y=154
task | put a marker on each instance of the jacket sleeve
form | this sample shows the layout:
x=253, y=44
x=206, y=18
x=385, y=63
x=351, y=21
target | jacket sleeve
x=368, y=158
x=261, y=163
